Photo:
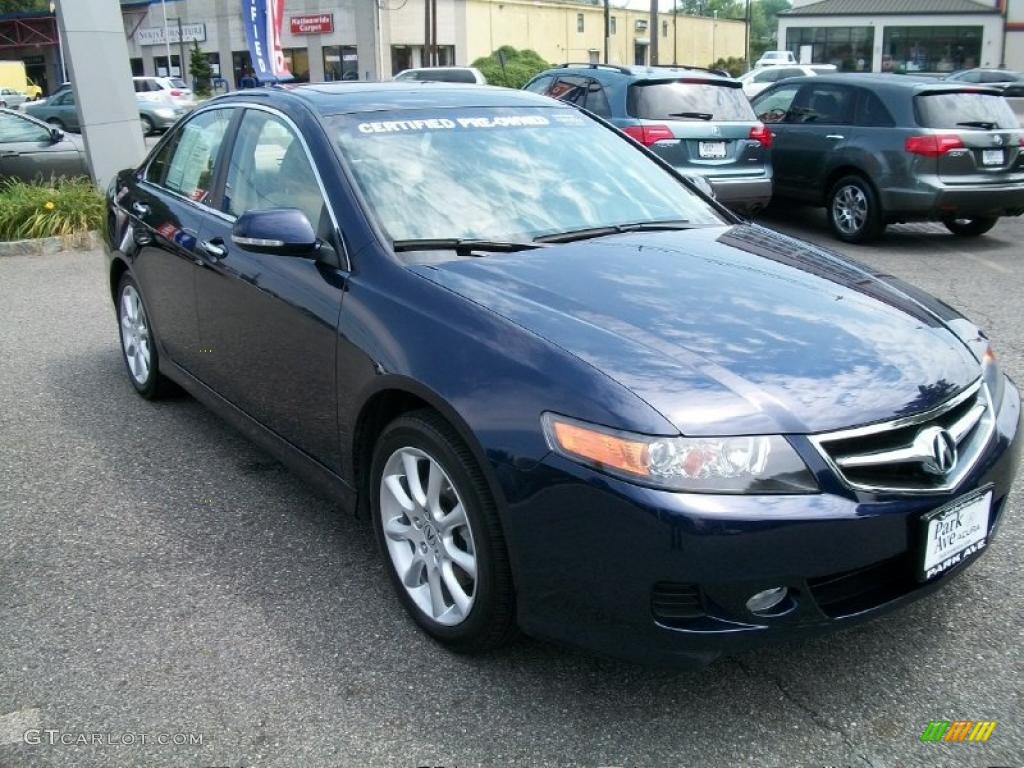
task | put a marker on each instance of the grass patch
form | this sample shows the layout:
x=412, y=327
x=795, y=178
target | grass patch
x=45, y=209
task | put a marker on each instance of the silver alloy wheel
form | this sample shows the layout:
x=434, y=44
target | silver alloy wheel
x=428, y=535
x=135, y=335
x=850, y=209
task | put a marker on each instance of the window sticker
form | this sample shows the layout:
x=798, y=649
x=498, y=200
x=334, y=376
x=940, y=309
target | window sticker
x=470, y=122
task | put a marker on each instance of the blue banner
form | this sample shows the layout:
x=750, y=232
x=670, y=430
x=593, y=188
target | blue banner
x=262, y=20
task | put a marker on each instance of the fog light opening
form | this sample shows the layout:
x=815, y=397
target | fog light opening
x=761, y=603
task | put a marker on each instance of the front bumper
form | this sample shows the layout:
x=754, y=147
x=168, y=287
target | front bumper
x=659, y=577
x=935, y=200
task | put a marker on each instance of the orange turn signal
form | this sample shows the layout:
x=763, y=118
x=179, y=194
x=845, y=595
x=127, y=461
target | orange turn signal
x=601, y=448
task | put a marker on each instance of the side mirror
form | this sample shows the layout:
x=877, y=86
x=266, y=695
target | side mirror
x=279, y=231
x=56, y=135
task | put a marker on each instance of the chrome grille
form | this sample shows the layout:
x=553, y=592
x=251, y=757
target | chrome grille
x=925, y=453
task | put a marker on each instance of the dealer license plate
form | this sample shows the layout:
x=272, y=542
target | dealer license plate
x=954, y=532
x=992, y=157
x=711, y=150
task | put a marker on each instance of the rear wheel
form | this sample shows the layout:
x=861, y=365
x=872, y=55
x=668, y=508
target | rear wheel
x=854, y=212
x=437, y=524
x=148, y=127
x=970, y=227
x=138, y=346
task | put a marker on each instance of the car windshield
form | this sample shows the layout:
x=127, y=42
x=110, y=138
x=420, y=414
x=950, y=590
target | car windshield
x=509, y=174
x=683, y=100
x=177, y=82
x=956, y=109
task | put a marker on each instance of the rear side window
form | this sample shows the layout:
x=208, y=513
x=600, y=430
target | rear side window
x=540, y=84
x=964, y=109
x=873, y=112
x=684, y=100
x=186, y=164
x=583, y=92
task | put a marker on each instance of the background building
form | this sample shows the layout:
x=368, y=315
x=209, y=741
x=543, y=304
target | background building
x=929, y=36
x=351, y=39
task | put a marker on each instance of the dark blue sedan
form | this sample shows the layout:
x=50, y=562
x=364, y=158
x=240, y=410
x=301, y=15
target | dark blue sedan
x=573, y=395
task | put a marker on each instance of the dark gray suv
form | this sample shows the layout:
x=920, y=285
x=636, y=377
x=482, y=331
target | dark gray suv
x=880, y=149
x=698, y=120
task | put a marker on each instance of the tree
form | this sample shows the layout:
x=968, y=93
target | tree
x=24, y=6
x=764, y=26
x=510, y=67
x=202, y=72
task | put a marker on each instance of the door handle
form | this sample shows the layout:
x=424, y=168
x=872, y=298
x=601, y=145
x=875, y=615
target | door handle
x=214, y=248
x=140, y=208
x=835, y=136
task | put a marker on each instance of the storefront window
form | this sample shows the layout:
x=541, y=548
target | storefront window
x=137, y=69
x=341, y=62
x=160, y=62
x=848, y=48
x=241, y=63
x=297, y=60
x=930, y=49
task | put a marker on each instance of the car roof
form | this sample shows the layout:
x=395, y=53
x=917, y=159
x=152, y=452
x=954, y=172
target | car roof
x=361, y=96
x=889, y=82
x=637, y=72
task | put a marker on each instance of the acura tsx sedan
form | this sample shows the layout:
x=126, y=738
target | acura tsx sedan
x=574, y=396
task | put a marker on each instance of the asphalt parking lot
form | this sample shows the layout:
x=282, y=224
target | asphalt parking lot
x=161, y=575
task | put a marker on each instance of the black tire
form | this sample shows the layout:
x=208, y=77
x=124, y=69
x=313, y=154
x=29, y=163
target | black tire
x=148, y=126
x=850, y=230
x=970, y=227
x=155, y=385
x=490, y=622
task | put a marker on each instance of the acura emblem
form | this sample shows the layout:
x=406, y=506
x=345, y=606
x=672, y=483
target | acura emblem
x=997, y=139
x=938, y=454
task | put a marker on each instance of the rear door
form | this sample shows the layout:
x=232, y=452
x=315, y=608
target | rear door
x=170, y=204
x=710, y=122
x=818, y=125
x=982, y=130
x=28, y=151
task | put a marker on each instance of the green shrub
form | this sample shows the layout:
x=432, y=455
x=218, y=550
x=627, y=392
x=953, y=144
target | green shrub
x=519, y=66
x=45, y=209
x=734, y=65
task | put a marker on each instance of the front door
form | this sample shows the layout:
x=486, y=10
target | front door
x=269, y=323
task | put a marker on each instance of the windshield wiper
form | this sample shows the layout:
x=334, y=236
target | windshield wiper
x=694, y=115
x=462, y=246
x=613, y=229
x=983, y=124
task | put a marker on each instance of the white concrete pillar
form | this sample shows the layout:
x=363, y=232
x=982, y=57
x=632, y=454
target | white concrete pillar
x=97, y=62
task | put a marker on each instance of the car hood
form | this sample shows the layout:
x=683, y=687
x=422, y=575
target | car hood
x=727, y=330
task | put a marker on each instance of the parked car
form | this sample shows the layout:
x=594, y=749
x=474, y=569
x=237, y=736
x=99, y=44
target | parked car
x=12, y=99
x=775, y=58
x=696, y=120
x=30, y=149
x=443, y=75
x=877, y=149
x=756, y=80
x=156, y=111
x=159, y=88
x=1009, y=82
x=569, y=393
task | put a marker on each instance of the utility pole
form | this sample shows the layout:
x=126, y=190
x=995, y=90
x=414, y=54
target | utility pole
x=181, y=49
x=675, y=33
x=167, y=37
x=433, y=33
x=654, y=33
x=607, y=29
x=425, y=58
x=746, y=39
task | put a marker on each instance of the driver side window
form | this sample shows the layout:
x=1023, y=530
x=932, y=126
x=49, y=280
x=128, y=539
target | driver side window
x=269, y=169
x=16, y=129
x=773, y=106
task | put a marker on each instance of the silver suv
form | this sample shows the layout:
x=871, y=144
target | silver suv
x=697, y=120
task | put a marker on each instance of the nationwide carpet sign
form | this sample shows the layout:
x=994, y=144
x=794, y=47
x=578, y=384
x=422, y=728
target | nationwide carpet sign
x=262, y=20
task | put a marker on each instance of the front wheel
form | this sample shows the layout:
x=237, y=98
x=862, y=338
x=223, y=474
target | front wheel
x=437, y=523
x=854, y=212
x=970, y=227
x=148, y=126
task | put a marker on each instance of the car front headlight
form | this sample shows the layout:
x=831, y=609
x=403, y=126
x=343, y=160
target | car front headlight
x=993, y=375
x=749, y=464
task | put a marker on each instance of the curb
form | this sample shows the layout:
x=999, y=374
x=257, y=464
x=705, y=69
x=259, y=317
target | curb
x=45, y=246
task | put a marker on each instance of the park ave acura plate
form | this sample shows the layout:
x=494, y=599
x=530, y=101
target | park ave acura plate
x=954, y=531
